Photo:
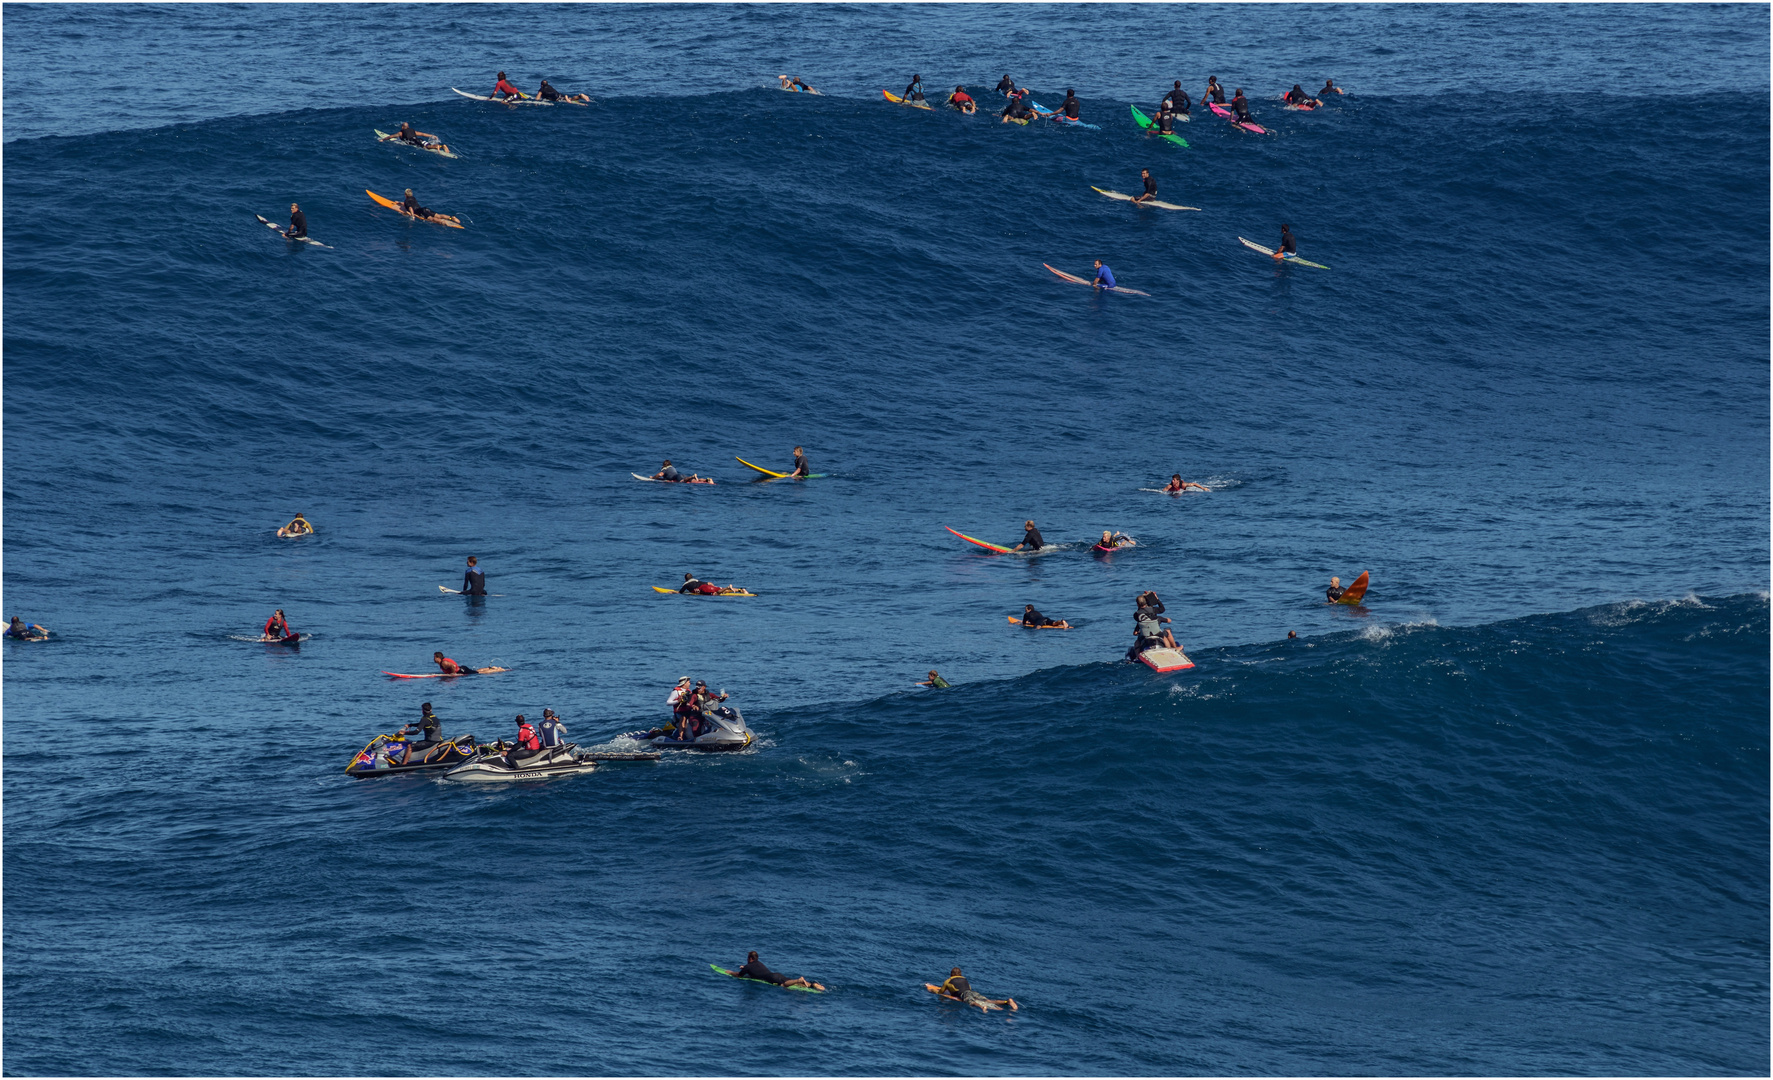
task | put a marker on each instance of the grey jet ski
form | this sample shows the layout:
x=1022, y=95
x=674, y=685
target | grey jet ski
x=722, y=728
x=566, y=760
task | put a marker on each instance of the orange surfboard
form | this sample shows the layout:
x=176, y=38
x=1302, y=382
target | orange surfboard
x=1356, y=589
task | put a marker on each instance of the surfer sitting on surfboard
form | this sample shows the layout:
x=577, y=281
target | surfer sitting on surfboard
x=298, y=226
x=914, y=91
x=801, y=468
x=1213, y=90
x=1288, y=245
x=1104, y=276
x=1031, y=535
x=1176, y=101
x=1240, y=108
x=1165, y=123
x=1034, y=620
x=1177, y=485
x=473, y=579
x=754, y=969
x=1070, y=109
x=450, y=667
x=276, y=627
x=1150, y=185
x=298, y=526
x=548, y=93
x=506, y=91
x=957, y=987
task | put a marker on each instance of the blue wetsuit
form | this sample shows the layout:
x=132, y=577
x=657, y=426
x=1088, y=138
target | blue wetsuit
x=1105, y=276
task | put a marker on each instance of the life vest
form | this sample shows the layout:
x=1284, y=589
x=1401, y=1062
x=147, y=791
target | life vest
x=526, y=737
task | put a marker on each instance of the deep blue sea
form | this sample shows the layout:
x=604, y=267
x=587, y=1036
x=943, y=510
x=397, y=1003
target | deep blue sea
x=1510, y=816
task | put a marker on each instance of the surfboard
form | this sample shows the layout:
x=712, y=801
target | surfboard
x=1066, y=121
x=741, y=593
x=278, y=229
x=1080, y=281
x=989, y=547
x=435, y=219
x=655, y=480
x=1148, y=202
x=741, y=978
x=1253, y=246
x=503, y=101
x=1165, y=660
x=1220, y=110
x=1356, y=590
x=1017, y=619
x=439, y=149
x=441, y=675
x=897, y=100
x=792, y=89
x=1145, y=122
x=778, y=475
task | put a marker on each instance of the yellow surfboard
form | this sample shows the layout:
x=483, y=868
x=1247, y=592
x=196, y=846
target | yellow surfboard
x=761, y=469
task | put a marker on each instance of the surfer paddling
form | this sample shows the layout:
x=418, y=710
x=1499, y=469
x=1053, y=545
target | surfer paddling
x=753, y=969
x=957, y=988
x=450, y=667
x=298, y=526
x=1177, y=485
x=670, y=475
x=963, y=101
x=504, y=91
x=1034, y=620
x=548, y=93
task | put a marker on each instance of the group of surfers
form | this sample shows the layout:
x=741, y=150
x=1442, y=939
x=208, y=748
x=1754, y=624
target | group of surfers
x=671, y=474
x=504, y=91
x=956, y=987
x=1174, y=108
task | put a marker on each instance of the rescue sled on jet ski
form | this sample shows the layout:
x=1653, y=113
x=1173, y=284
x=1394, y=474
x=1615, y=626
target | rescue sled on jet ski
x=721, y=728
x=389, y=754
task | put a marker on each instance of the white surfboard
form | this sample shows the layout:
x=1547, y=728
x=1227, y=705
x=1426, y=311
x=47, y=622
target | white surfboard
x=278, y=229
x=503, y=101
x=1165, y=660
x=1148, y=202
x=1253, y=246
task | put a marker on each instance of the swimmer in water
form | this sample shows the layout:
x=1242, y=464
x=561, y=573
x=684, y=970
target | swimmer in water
x=297, y=527
x=935, y=681
x=957, y=987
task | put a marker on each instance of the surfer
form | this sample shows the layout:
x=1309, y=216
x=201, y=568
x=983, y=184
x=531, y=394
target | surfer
x=548, y=93
x=410, y=205
x=1240, y=108
x=914, y=91
x=1330, y=87
x=800, y=466
x=505, y=91
x=1335, y=591
x=792, y=82
x=298, y=224
x=1177, y=485
x=1070, y=108
x=19, y=630
x=1165, y=124
x=423, y=139
x=1150, y=186
x=1031, y=535
x=1213, y=90
x=450, y=667
x=963, y=101
x=1034, y=620
x=276, y=627
x=298, y=525
x=1176, y=100
x=473, y=579
x=1116, y=539
x=1017, y=110
x=1104, y=276
x=957, y=987
x=1288, y=245
x=753, y=969
x=935, y=681
x=1006, y=85
x=1300, y=99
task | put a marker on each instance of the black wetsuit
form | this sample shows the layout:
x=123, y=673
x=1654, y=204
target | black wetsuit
x=1006, y=85
x=1288, y=245
x=1151, y=186
x=914, y=92
x=1166, y=122
x=1178, y=99
x=411, y=205
x=1035, y=618
x=1240, y=108
x=690, y=586
x=1019, y=109
x=298, y=224
x=474, y=582
x=548, y=93
x=800, y=465
x=1070, y=107
x=1334, y=593
x=1218, y=93
x=754, y=969
x=409, y=136
x=1297, y=96
x=1033, y=540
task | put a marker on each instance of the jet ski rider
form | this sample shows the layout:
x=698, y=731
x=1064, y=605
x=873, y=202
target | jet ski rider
x=553, y=731
x=529, y=744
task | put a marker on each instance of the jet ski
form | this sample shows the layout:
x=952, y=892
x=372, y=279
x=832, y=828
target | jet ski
x=488, y=764
x=722, y=729
x=380, y=756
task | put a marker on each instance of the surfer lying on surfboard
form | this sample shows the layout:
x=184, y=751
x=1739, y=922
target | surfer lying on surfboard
x=548, y=93
x=450, y=667
x=298, y=526
x=670, y=475
x=1177, y=485
x=957, y=988
x=1034, y=620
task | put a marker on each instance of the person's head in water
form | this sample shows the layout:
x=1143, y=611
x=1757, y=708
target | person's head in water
x=751, y=956
x=953, y=972
x=1291, y=634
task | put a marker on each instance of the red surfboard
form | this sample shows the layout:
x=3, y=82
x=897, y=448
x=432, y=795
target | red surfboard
x=1356, y=590
x=981, y=543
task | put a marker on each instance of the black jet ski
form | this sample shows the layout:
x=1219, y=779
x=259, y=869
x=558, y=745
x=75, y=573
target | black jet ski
x=488, y=764
x=387, y=754
x=722, y=728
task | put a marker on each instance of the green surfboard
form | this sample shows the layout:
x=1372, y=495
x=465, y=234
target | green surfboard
x=760, y=982
x=1145, y=122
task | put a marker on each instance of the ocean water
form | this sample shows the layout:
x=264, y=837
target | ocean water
x=1511, y=816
